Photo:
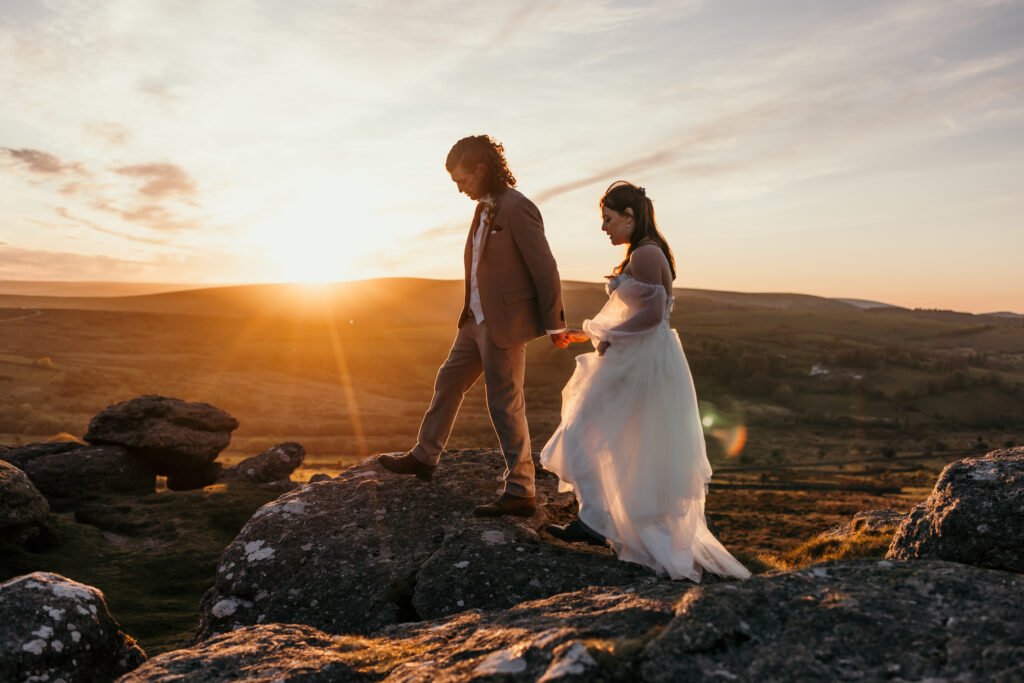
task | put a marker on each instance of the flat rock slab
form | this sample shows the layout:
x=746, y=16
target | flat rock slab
x=174, y=436
x=370, y=548
x=974, y=515
x=22, y=506
x=484, y=564
x=864, y=621
x=567, y=637
x=53, y=628
x=868, y=620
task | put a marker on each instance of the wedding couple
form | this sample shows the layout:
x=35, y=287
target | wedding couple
x=630, y=443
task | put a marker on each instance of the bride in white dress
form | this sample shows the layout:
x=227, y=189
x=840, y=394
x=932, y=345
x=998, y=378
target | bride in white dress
x=631, y=444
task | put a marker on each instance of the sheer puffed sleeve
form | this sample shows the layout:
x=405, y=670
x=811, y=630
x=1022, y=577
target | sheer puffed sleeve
x=637, y=305
x=633, y=309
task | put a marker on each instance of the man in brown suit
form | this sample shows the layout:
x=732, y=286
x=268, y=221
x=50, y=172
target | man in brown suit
x=513, y=295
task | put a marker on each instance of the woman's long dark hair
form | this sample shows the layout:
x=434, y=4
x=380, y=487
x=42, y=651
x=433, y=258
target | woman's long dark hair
x=482, y=149
x=622, y=195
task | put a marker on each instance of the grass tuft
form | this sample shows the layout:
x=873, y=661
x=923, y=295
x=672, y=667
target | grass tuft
x=858, y=544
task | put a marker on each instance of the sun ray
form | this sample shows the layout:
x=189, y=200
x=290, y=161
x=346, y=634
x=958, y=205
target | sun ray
x=346, y=380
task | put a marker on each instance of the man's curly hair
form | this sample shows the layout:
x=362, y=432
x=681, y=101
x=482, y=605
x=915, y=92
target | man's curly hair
x=482, y=149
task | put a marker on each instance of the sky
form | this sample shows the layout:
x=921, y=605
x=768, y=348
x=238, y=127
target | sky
x=867, y=149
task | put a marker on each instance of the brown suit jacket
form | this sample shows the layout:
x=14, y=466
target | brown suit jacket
x=520, y=291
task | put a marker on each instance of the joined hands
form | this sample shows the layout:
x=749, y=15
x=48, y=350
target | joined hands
x=563, y=339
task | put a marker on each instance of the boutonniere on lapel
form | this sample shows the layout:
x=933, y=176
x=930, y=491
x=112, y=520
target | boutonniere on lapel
x=488, y=207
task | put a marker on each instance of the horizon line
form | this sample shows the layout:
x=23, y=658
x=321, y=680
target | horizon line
x=188, y=286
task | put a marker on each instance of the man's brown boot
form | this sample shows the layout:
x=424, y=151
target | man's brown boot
x=407, y=464
x=507, y=504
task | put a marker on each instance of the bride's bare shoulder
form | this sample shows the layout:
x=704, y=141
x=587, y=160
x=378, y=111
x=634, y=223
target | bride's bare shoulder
x=646, y=263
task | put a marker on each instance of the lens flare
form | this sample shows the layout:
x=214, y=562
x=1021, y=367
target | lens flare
x=726, y=426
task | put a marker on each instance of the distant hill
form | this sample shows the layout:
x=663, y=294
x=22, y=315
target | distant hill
x=955, y=316
x=399, y=301
x=866, y=303
x=778, y=301
x=385, y=298
x=89, y=289
x=392, y=300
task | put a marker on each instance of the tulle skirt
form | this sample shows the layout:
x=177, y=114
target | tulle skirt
x=632, y=447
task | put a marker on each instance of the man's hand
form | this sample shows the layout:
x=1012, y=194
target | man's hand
x=566, y=337
x=577, y=336
x=561, y=339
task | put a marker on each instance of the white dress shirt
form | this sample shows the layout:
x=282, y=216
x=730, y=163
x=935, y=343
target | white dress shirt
x=478, y=238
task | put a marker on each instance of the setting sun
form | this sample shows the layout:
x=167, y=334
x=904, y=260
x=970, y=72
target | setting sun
x=315, y=239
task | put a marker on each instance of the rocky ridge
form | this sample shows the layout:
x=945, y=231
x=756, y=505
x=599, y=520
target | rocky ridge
x=860, y=620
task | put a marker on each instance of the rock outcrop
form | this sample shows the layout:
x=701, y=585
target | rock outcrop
x=178, y=439
x=862, y=620
x=867, y=620
x=571, y=636
x=975, y=515
x=67, y=477
x=369, y=548
x=22, y=507
x=53, y=628
x=274, y=464
x=21, y=456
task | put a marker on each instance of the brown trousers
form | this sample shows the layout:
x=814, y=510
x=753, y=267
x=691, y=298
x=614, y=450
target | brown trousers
x=504, y=371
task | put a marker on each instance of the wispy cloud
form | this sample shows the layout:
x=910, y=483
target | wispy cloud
x=160, y=180
x=155, y=200
x=64, y=213
x=444, y=231
x=114, y=134
x=43, y=264
x=26, y=263
x=44, y=163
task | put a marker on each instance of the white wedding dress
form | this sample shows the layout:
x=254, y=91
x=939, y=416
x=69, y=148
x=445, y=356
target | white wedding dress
x=631, y=443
